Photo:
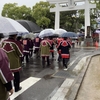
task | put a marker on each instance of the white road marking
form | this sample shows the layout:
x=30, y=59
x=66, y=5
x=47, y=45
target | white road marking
x=63, y=90
x=76, y=59
x=25, y=85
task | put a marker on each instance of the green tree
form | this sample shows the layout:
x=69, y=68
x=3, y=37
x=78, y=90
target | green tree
x=95, y=13
x=70, y=21
x=8, y=9
x=41, y=13
x=17, y=12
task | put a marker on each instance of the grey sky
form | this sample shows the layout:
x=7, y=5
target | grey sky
x=28, y=3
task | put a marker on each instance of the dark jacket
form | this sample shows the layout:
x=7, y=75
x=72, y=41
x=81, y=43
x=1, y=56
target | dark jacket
x=64, y=46
x=14, y=50
x=5, y=76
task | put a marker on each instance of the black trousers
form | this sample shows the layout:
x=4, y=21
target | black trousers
x=16, y=80
x=59, y=57
x=26, y=58
x=43, y=60
x=52, y=53
x=65, y=61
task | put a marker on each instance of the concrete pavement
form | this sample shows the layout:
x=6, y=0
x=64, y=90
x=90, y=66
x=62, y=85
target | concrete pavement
x=52, y=83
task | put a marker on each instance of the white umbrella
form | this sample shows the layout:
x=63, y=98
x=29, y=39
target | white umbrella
x=59, y=31
x=97, y=31
x=30, y=35
x=8, y=25
x=46, y=32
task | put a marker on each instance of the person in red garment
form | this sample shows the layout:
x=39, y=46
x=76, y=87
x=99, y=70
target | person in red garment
x=14, y=51
x=64, y=46
x=36, y=43
x=5, y=75
x=45, y=51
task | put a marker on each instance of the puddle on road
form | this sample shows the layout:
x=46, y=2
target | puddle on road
x=49, y=76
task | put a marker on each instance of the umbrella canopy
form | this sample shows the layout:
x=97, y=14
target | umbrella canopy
x=69, y=34
x=59, y=31
x=36, y=35
x=81, y=34
x=30, y=26
x=54, y=35
x=8, y=25
x=46, y=33
x=30, y=35
x=97, y=31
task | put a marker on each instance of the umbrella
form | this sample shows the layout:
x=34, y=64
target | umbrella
x=69, y=34
x=97, y=31
x=8, y=25
x=36, y=35
x=59, y=31
x=46, y=33
x=30, y=26
x=54, y=35
x=80, y=34
x=30, y=35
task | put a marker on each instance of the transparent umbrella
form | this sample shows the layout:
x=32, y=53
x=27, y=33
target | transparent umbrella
x=46, y=33
x=8, y=25
x=59, y=31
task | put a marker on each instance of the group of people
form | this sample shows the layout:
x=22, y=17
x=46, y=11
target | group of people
x=14, y=50
x=45, y=46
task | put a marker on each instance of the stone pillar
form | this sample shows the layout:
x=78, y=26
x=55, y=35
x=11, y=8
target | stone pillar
x=57, y=17
x=87, y=16
x=88, y=41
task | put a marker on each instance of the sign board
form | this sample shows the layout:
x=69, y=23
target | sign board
x=88, y=31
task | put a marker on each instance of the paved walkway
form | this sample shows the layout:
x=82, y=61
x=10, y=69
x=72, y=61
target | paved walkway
x=90, y=89
x=51, y=84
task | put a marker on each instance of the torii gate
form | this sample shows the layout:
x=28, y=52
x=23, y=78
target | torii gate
x=71, y=6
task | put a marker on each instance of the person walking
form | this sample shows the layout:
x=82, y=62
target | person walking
x=65, y=54
x=36, y=43
x=26, y=51
x=14, y=51
x=45, y=51
x=30, y=47
x=6, y=76
x=79, y=40
x=58, y=49
x=52, y=46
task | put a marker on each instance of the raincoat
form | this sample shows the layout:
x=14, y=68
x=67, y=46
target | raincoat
x=5, y=76
x=45, y=48
x=14, y=51
x=64, y=46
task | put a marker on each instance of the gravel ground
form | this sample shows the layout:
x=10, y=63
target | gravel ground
x=90, y=89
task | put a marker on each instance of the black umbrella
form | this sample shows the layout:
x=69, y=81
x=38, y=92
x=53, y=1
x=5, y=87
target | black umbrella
x=30, y=26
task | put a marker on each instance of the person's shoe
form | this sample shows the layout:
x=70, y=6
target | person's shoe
x=18, y=89
x=65, y=69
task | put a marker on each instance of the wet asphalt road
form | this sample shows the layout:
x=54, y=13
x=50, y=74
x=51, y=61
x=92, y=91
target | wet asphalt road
x=34, y=66
x=51, y=77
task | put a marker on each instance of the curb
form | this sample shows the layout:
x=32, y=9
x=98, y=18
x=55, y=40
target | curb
x=80, y=65
x=76, y=86
x=65, y=88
